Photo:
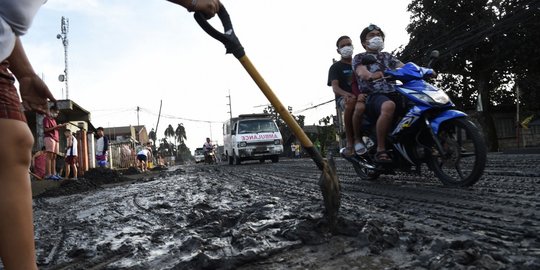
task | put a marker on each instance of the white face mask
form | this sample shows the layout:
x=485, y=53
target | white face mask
x=346, y=51
x=376, y=44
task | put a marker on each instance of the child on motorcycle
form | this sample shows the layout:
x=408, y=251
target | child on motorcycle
x=382, y=100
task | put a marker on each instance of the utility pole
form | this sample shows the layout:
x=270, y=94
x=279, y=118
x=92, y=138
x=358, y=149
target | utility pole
x=230, y=106
x=138, y=109
x=64, y=27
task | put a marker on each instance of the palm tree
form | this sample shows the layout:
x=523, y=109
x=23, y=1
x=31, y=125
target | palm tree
x=152, y=136
x=169, y=132
x=180, y=134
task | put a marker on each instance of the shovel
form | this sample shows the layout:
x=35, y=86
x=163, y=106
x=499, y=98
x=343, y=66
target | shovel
x=328, y=181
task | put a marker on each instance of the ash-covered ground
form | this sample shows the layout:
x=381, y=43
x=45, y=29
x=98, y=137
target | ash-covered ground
x=269, y=216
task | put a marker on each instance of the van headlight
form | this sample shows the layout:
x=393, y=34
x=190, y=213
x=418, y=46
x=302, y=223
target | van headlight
x=242, y=144
x=277, y=142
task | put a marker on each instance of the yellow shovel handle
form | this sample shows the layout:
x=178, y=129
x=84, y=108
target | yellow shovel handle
x=284, y=113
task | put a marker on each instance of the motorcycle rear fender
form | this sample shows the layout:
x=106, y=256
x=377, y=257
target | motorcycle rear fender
x=444, y=116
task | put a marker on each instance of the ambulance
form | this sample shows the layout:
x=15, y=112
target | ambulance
x=252, y=137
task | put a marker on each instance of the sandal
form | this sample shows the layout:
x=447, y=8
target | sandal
x=360, y=148
x=347, y=151
x=382, y=157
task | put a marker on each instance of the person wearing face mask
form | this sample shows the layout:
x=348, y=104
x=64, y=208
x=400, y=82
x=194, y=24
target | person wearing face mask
x=50, y=140
x=340, y=78
x=383, y=98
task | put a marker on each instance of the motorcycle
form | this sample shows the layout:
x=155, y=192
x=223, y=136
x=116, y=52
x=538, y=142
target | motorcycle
x=430, y=131
x=210, y=156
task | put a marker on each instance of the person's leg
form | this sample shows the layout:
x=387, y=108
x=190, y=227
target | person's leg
x=357, y=121
x=75, y=170
x=48, y=156
x=383, y=123
x=67, y=169
x=348, y=119
x=17, y=248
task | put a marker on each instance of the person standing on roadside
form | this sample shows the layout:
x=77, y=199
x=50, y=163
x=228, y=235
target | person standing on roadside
x=17, y=248
x=102, y=146
x=50, y=140
x=71, y=155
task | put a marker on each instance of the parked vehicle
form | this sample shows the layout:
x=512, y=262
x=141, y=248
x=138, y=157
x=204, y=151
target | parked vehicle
x=252, y=137
x=431, y=131
x=199, y=155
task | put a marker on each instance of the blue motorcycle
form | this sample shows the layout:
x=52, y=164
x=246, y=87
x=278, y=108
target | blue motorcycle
x=430, y=131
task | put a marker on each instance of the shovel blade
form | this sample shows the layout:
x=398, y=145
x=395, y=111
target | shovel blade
x=331, y=190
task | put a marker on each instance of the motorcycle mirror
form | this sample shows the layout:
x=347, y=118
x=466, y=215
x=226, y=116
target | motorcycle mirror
x=368, y=59
x=432, y=57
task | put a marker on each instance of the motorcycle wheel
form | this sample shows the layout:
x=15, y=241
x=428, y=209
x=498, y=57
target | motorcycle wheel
x=465, y=156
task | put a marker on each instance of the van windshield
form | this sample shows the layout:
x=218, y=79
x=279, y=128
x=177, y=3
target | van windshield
x=256, y=126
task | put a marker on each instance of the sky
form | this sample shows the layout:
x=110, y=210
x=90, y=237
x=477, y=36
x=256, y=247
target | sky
x=124, y=54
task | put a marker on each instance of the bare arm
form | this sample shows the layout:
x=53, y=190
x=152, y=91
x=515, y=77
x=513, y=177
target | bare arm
x=208, y=7
x=364, y=74
x=338, y=91
x=34, y=92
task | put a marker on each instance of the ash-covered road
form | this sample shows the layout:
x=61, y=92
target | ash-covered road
x=269, y=216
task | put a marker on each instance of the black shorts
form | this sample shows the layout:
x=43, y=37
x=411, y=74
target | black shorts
x=142, y=157
x=375, y=101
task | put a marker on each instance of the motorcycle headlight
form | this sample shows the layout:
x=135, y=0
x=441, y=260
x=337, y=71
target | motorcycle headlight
x=242, y=144
x=432, y=97
x=438, y=96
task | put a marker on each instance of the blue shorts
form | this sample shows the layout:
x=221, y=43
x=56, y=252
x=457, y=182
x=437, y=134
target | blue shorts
x=375, y=101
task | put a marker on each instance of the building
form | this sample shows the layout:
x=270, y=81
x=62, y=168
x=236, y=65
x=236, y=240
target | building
x=80, y=125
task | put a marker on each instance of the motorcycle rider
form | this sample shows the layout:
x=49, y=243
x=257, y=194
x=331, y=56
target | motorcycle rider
x=383, y=98
x=208, y=147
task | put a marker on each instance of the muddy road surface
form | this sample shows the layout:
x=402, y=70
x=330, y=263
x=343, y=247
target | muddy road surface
x=269, y=216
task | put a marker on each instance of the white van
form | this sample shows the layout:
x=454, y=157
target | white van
x=252, y=137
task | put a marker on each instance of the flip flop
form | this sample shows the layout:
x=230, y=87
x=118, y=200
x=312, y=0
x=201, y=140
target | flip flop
x=360, y=149
x=347, y=151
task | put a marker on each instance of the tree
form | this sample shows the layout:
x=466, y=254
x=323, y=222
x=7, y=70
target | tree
x=152, y=136
x=180, y=133
x=169, y=131
x=286, y=132
x=478, y=41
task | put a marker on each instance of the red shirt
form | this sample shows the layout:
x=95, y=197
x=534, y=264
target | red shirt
x=49, y=122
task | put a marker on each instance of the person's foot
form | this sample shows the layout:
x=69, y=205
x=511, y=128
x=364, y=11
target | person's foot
x=347, y=151
x=382, y=157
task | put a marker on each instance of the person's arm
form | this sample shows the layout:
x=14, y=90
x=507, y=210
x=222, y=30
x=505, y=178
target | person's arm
x=34, y=92
x=105, y=144
x=338, y=91
x=47, y=129
x=208, y=7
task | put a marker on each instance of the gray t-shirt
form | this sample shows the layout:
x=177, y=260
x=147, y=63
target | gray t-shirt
x=384, y=61
x=15, y=18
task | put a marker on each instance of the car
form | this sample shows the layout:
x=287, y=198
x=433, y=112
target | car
x=199, y=155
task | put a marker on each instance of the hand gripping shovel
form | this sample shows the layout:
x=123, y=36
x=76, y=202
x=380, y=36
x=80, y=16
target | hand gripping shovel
x=328, y=182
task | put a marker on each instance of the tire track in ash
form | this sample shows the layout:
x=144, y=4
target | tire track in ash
x=500, y=209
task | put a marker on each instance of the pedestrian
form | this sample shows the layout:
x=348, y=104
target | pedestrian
x=50, y=139
x=71, y=155
x=102, y=147
x=17, y=248
x=143, y=157
x=38, y=163
x=293, y=150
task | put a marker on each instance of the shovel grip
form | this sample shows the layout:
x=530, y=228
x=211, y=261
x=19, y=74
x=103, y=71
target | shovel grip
x=228, y=37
